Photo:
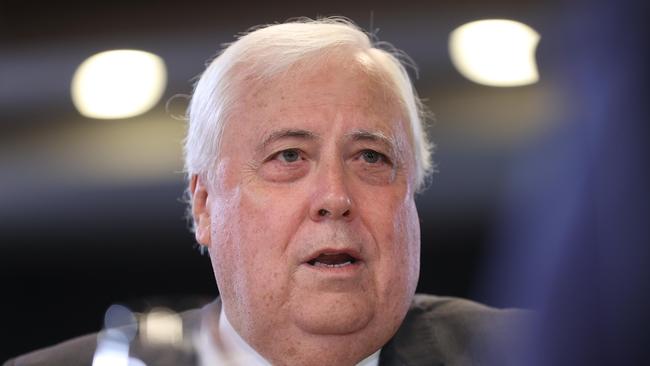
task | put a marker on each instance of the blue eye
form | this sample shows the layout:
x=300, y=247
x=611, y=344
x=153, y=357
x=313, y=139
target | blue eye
x=289, y=156
x=371, y=156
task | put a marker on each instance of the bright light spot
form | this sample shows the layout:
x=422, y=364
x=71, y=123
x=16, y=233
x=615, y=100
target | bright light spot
x=110, y=357
x=495, y=52
x=118, y=84
x=135, y=362
x=107, y=356
x=112, y=350
x=162, y=326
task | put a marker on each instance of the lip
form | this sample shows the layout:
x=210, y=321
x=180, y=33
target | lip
x=343, y=270
x=349, y=251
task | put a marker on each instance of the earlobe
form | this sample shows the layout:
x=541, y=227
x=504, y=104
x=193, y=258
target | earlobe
x=200, y=210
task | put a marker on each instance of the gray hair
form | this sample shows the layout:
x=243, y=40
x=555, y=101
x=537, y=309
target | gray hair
x=265, y=52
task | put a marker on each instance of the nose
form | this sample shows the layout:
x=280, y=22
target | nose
x=331, y=199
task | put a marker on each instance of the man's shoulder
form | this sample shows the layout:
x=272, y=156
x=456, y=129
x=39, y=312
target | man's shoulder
x=449, y=330
x=458, y=311
x=82, y=350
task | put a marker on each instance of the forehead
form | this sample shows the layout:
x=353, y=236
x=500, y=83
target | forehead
x=343, y=91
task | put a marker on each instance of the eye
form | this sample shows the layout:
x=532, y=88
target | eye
x=373, y=167
x=284, y=166
x=289, y=155
x=372, y=157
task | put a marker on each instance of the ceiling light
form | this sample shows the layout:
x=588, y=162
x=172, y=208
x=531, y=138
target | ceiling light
x=495, y=52
x=118, y=84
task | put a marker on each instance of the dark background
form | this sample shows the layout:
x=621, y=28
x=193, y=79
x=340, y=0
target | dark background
x=91, y=211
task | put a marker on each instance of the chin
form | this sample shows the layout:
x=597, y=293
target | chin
x=332, y=313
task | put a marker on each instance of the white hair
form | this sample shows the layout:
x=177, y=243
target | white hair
x=265, y=52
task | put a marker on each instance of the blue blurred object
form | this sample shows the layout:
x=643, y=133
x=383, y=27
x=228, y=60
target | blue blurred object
x=575, y=234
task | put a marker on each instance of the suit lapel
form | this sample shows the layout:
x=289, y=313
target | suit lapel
x=412, y=345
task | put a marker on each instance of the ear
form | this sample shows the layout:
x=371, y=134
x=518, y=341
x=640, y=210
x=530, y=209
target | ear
x=200, y=210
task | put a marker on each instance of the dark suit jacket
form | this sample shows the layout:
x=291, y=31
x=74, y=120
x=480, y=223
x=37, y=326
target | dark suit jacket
x=436, y=331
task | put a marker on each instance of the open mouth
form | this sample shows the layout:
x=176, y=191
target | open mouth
x=333, y=260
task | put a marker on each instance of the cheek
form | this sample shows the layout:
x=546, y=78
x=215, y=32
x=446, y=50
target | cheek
x=226, y=234
x=398, y=240
x=269, y=219
x=406, y=241
x=393, y=218
x=411, y=228
x=251, y=241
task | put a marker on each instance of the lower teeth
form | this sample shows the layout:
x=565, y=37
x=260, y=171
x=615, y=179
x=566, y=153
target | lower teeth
x=319, y=264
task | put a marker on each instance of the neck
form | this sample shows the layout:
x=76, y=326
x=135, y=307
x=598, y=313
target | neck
x=287, y=346
x=309, y=350
x=295, y=347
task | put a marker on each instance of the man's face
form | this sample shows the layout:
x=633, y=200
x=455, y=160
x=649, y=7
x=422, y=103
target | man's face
x=309, y=216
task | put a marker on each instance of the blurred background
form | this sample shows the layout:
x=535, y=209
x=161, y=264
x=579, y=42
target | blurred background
x=91, y=211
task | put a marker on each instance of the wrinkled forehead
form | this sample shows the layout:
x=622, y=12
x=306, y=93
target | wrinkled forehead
x=353, y=83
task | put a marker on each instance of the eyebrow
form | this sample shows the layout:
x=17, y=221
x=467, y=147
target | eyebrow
x=286, y=133
x=364, y=135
